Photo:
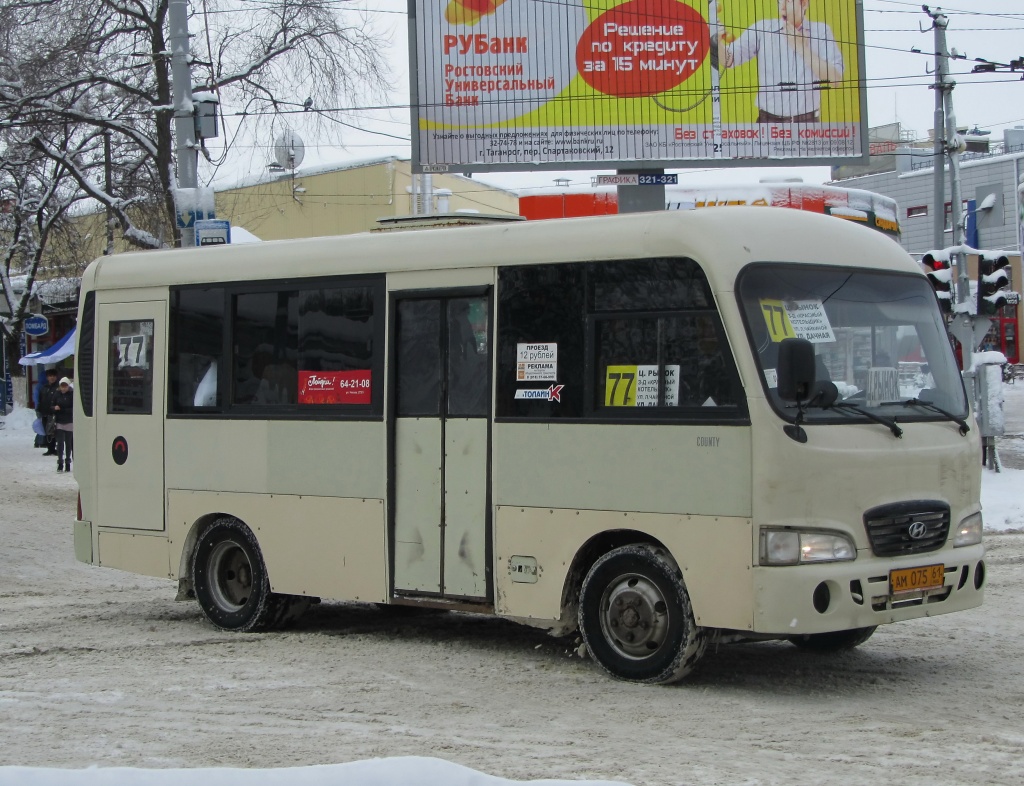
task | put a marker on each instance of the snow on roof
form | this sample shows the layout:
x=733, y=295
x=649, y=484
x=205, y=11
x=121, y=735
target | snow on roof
x=243, y=235
x=49, y=290
x=945, y=254
x=274, y=175
x=847, y=212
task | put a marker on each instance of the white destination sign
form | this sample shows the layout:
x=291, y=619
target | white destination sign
x=810, y=321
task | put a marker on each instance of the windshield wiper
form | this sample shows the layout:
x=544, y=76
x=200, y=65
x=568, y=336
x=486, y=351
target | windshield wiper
x=964, y=428
x=889, y=424
x=827, y=397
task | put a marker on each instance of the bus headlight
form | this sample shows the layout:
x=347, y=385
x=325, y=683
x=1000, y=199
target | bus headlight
x=794, y=547
x=969, y=531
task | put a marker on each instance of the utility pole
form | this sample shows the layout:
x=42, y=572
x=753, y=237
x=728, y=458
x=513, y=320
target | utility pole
x=185, y=147
x=939, y=22
x=954, y=146
x=949, y=143
x=967, y=326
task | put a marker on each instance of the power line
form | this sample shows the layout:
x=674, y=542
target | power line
x=944, y=10
x=958, y=29
x=867, y=83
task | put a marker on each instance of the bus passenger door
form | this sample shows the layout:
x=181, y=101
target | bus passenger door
x=440, y=451
x=130, y=350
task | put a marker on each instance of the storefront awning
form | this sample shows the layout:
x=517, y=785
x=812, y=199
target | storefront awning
x=62, y=349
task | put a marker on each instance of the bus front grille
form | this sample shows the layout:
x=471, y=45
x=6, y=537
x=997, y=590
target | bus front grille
x=907, y=528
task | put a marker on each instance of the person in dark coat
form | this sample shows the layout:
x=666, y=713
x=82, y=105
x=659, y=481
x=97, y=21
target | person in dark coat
x=44, y=408
x=64, y=414
x=37, y=395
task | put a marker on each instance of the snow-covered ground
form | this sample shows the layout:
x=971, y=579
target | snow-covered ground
x=102, y=671
x=398, y=771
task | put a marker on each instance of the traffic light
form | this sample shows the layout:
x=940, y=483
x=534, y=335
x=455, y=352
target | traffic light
x=993, y=280
x=940, y=277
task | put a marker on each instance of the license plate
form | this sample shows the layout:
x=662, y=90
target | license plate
x=916, y=579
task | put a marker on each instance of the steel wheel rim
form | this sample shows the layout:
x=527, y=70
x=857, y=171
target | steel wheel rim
x=230, y=574
x=634, y=616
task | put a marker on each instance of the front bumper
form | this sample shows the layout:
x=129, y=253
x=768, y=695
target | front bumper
x=789, y=600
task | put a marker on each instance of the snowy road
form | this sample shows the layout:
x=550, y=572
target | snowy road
x=101, y=667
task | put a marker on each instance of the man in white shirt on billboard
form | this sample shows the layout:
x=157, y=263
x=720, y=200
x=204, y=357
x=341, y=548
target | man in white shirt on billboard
x=795, y=59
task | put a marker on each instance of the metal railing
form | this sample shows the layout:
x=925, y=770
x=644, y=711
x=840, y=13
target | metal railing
x=995, y=149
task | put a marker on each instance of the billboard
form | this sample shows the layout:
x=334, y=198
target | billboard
x=501, y=85
x=883, y=142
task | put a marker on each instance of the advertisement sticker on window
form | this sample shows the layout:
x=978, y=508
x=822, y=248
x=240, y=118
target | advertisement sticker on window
x=536, y=362
x=551, y=393
x=335, y=387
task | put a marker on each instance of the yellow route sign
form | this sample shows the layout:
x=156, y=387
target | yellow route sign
x=777, y=320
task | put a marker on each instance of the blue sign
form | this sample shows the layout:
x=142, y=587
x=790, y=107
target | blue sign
x=37, y=325
x=213, y=232
x=188, y=218
x=659, y=180
x=8, y=383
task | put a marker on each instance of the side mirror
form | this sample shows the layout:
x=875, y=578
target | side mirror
x=796, y=371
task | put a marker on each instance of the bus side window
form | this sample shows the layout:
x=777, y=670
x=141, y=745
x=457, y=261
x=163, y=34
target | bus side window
x=264, y=333
x=542, y=305
x=646, y=330
x=658, y=341
x=196, y=349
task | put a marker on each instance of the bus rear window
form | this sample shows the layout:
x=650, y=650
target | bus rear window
x=130, y=368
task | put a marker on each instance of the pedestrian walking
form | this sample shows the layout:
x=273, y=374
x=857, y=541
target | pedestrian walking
x=64, y=414
x=37, y=396
x=44, y=408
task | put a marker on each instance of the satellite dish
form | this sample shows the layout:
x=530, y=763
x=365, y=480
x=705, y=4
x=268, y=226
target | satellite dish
x=289, y=150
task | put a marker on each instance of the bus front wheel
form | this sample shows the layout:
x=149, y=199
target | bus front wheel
x=636, y=618
x=230, y=580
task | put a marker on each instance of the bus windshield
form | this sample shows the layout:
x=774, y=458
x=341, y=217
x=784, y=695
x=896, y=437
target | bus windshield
x=878, y=336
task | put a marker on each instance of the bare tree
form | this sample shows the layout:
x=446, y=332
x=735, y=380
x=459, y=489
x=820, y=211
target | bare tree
x=86, y=107
x=37, y=196
x=103, y=67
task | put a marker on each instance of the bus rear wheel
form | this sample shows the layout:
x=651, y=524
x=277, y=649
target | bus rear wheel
x=636, y=619
x=230, y=581
x=837, y=641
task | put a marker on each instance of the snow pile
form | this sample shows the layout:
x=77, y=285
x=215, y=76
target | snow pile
x=1000, y=500
x=403, y=771
x=19, y=423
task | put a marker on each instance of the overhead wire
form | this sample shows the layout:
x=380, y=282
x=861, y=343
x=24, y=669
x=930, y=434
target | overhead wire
x=943, y=9
x=326, y=113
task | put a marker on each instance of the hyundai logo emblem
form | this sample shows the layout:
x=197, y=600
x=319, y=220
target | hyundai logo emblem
x=917, y=530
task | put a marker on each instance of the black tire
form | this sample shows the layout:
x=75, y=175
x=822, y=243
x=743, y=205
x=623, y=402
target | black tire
x=836, y=641
x=230, y=580
x=636, y=619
